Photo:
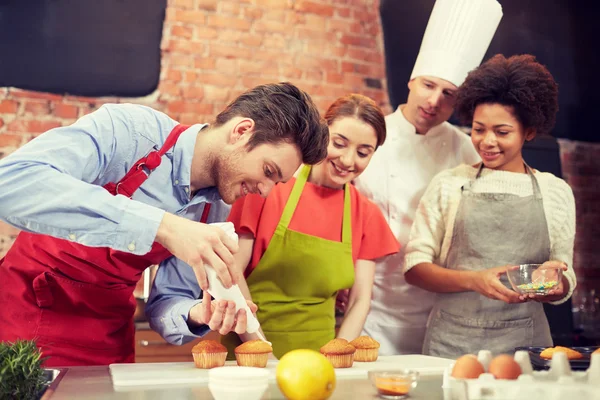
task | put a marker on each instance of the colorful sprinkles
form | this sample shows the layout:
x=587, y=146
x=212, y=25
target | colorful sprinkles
x=536, y=287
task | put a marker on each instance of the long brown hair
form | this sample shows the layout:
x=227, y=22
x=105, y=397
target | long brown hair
x=362, y=108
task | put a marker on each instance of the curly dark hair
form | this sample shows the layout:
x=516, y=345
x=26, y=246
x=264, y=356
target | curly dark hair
x=519, y=82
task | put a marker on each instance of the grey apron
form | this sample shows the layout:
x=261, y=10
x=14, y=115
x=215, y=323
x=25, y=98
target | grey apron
x=490, y=230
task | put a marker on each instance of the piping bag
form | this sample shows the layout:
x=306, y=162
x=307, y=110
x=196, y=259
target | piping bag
x=219, y=292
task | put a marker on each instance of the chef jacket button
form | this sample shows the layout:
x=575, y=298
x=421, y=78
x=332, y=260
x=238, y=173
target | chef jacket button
x=72, y=236
x=187, y=189
x=177, y=181
x=131, y=246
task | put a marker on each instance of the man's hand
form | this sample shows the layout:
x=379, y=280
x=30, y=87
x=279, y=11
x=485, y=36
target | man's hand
x=487, y=282
x=198, y=244
x=220, y=315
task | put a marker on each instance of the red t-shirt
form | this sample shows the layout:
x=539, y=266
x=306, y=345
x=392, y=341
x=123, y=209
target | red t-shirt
x=319, y=213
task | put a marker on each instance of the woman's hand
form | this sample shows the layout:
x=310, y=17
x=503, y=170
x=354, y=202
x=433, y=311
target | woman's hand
x=554, y=294
x=487, y=283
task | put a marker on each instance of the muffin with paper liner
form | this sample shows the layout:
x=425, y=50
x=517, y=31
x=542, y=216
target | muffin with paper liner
x=209, y=354
x=253, y=353
x=367, y=349
x=339, y=352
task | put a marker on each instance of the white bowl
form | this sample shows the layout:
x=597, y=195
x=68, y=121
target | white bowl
x=235, y=392
x=238, y=383
x=238, y=373
x=238, y=376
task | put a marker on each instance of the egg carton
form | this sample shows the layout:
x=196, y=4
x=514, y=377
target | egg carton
x=557, y=383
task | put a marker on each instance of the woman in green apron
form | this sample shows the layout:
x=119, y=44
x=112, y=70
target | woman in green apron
x=474, y=222
x=314, y=236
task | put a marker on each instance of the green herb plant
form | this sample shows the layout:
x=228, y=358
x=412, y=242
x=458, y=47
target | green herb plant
x=21, y=372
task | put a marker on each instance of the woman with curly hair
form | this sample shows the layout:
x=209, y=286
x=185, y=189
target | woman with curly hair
x=474, y=223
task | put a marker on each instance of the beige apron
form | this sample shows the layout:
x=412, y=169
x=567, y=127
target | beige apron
x=297, y=279
x=491, y=229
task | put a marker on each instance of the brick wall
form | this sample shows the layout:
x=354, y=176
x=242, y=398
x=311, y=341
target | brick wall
x=581, y=169
x=213, y=50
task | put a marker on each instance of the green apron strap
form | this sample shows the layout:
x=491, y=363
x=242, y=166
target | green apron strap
x=292, y=202
x=347, y=220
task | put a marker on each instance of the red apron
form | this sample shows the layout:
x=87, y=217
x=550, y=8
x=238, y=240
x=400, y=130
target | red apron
x=77, y=301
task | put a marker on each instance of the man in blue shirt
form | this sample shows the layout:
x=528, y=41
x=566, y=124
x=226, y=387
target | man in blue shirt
x=122, y=189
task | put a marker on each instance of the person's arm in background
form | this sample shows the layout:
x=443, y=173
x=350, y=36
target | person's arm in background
x=378, y=241
x=175, y=311
x=424, y=246
x=359, y=300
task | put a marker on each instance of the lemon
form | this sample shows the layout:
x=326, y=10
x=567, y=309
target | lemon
x=305, y=375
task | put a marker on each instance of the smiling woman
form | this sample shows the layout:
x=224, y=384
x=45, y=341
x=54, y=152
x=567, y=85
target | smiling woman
x=476, y=222
x=315, y=235
x=498, y=137
x=507, y=101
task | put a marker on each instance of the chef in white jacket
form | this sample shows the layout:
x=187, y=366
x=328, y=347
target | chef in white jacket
x=420, y=144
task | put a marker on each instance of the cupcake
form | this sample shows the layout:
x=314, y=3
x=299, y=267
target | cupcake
x=339, y=352
x=209, y=354
x=571, y=354
x=253, y=353
x=367, y=349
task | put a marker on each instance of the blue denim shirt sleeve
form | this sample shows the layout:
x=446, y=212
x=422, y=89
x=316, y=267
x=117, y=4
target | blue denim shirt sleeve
x=53, y=184
x=174, y=292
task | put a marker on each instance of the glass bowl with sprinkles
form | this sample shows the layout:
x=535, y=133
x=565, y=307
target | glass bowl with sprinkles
x=531, y=279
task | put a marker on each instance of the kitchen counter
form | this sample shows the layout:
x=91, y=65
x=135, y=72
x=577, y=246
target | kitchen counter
x=95, y=383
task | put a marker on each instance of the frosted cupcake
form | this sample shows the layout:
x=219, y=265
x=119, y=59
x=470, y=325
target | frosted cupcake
x=209, y=354
x=253, y=353
x=339, y=352
x=367, y=349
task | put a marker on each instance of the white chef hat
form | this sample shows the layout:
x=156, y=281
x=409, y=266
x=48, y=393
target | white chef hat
x=456, y=38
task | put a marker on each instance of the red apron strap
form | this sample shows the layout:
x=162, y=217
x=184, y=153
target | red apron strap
x=205, y=213
x=136, y=175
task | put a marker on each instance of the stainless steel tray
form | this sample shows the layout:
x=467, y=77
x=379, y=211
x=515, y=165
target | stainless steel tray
x=53, y=377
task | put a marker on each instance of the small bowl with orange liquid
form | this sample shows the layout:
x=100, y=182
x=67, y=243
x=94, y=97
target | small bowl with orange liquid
x=395, y=384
